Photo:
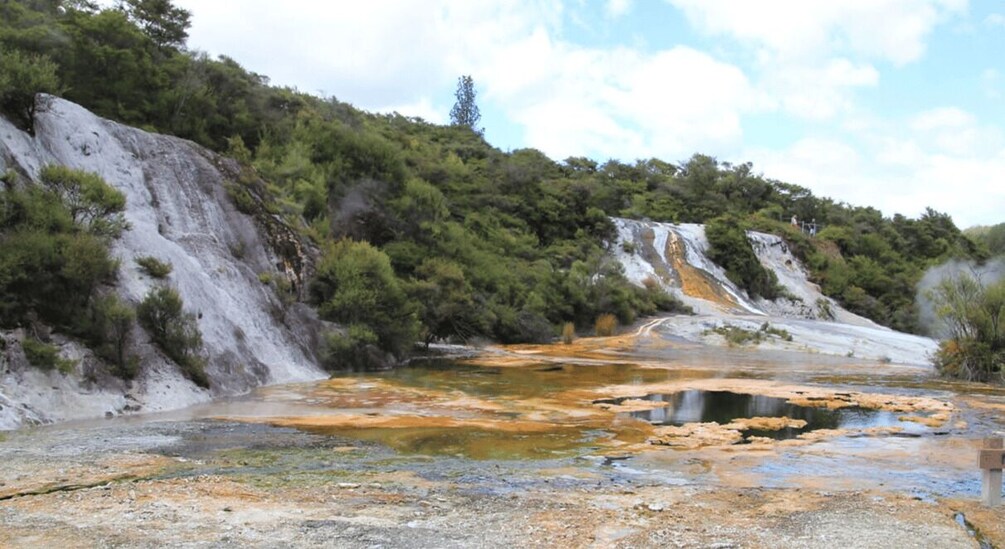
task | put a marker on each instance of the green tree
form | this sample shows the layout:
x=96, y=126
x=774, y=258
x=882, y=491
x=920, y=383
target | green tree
x=356, y=286
x=22, y=75
x=165, y=24
x=447, y=307
x=465, y=111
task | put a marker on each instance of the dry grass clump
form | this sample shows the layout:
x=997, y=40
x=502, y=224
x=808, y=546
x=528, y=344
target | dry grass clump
x=606, y=325
x=568, y=333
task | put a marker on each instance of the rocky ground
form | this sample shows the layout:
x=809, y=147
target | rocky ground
x=203, y=483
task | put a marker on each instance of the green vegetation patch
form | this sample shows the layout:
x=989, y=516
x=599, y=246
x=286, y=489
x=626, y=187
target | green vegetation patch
x=974, y=315
x=737, y=336
x=174, y=331
x=153, y=266
x=45, y=356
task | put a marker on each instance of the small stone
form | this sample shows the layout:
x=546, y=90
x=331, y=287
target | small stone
x=227, y=509
x=655, y=507
x=348, y=485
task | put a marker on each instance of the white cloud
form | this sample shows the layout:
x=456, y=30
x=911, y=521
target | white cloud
x=828, y=166
x=423, y=108
x=991, y=83
x=942, y=118
x=953, y=131
x=617, y=8
x=622, y=103
x=817, y=92
x=891, y=30
x=942, y=158
x=995, y=20
x=374, y=54
x=569, y=99
x=812, y=56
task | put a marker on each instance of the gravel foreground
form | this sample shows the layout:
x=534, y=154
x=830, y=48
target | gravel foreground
x=218, y=484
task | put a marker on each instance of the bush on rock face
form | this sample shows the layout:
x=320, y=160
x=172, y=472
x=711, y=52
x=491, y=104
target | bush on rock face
x=730, y=248
x=174, y=331
x=45, y=356
x=154, y=267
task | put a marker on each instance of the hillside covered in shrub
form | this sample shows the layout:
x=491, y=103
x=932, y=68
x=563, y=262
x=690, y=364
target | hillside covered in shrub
x=428, y=232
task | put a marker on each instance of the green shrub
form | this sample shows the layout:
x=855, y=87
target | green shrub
x=356, y=286
x=446, y=305
x=730, y=248
x=824, y=309
x=111, y=323
x=736, y=336
x=47, y=265
x=242, y=199
x=974, y=317
x=521, y=326
x=174, y=331
x=355, y=350
x=93, y=204
x=45, y=356
x=153, y=266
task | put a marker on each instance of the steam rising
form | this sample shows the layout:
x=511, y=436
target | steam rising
x=988, y=273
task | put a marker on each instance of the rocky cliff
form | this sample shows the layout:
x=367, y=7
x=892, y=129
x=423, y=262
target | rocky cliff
x=179, y=211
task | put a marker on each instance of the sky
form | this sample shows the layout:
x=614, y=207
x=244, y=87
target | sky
x=895, y=104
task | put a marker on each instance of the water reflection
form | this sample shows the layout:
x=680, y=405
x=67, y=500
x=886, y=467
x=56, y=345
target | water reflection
x=536, y=381
x=697, y=406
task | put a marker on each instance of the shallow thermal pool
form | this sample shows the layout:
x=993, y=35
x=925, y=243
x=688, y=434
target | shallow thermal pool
x=535, y=411
x=699, y=406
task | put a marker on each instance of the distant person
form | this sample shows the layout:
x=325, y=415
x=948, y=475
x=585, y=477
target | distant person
x=795, y=222
x=813, y=227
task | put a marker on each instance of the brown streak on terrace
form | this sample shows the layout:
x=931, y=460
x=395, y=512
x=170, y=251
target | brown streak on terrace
x=696, y=282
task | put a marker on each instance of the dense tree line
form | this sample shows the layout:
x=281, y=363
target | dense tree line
x=429, y=227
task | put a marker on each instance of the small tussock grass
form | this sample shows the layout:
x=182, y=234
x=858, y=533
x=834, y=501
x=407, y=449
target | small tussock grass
x=606, y=325
x=568, y=333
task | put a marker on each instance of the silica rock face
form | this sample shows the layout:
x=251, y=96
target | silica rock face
x=179, y=212
x=674, y=257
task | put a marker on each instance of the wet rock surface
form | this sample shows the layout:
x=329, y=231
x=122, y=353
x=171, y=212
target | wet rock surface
x=218, y=483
